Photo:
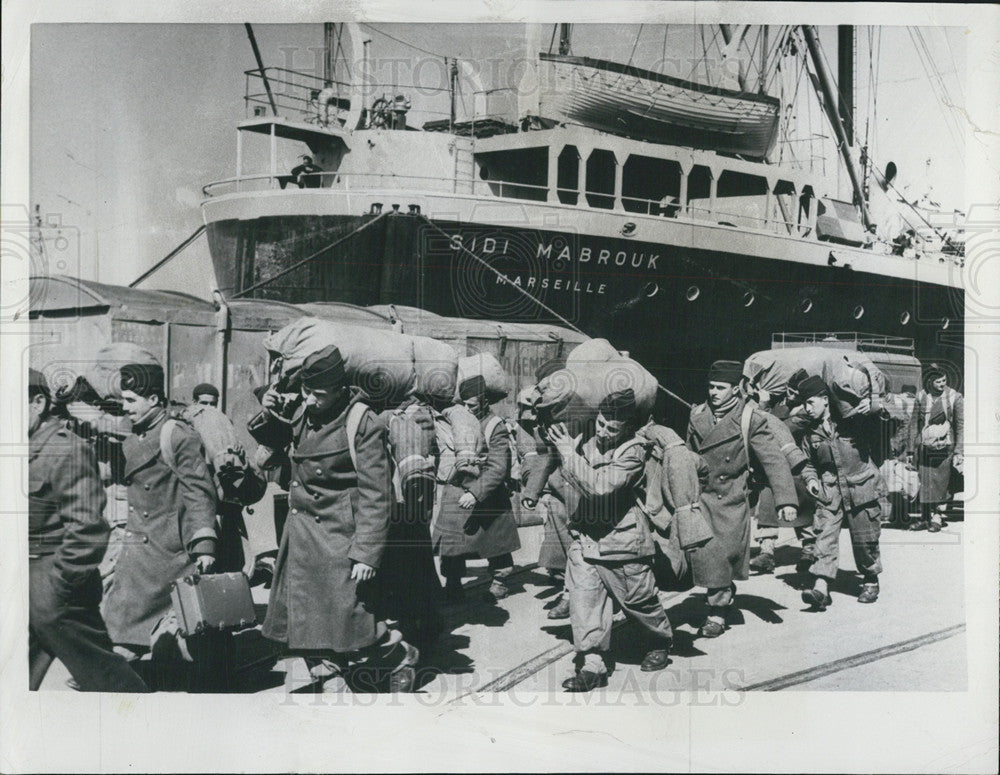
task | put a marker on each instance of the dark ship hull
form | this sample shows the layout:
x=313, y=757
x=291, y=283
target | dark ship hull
x=674, y=308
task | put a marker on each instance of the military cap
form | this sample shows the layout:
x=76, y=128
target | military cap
x=37, y=383
x=933, y=372
x=619, y=406
x=205, y=389
x=145, y=379
x=324, y=368
x=796, y=379
x=812, y=386
x=550, y=367
x=473, y=386
x=726, y=371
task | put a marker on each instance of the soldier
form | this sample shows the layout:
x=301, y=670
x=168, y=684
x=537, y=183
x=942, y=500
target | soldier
x=611, y=557
x=205, y=393
x=67, y=537
x=936, y=431
x=411, y=589
x=323, y=601
x=716, y=432
x=788, y=432
x=543, y=487
x=848, y=487
x=170, y=531
x=476, y=518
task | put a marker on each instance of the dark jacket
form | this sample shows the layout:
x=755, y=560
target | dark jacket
x=725, y=499
x=840, y=459
x=607, y=519
x=788, y=433
x=489, y=528
x=65, y=501
x=171, y=519
x=337, y=515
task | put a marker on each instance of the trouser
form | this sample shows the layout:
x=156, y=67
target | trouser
x=453, y=568
x=410, y=587
x=865, y=526
x=806, y=535
x=67, y=624
x=594, y=587
x=367, y=666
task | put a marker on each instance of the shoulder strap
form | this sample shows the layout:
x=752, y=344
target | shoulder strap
x=354, y=415
x=166, y=447
x=622, y=450
x=745, y=429
x=491, y=425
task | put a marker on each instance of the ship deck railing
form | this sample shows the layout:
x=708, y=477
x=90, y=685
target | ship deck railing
x=856, y=339
x=597, y=201
x=293, y=92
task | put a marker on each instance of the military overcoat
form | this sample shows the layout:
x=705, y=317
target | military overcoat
x=725, y=498
x=489, y=528
x=169, y=516
x=337, y=515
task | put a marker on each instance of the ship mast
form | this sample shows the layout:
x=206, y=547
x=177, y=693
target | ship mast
x=564, y=39
x=832, y=103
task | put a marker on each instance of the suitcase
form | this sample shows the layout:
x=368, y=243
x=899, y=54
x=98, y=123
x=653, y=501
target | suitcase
x=214, y=601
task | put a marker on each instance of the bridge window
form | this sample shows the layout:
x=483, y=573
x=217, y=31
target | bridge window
x=651, y=185
x=741, y=200
x=699, y=191
x=568, y=177
x=517, y=174
x=601, y=179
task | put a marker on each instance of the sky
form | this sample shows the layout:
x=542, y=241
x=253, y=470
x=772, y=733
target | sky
x=129, y=121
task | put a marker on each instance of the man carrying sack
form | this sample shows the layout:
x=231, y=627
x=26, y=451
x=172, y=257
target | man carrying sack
x=323, y=601
x=476, y=517
x=611, y=557
x=715, y=431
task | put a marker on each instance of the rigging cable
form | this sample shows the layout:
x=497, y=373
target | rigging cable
x=635, y=45
x=398, y=40
x=938, y=88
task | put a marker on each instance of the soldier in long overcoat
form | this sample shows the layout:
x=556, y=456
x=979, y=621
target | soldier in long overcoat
x=323, y=603
x=476, y=518
x=936, y=432
x=171, y=519
x=715, y=432
x=67, y=537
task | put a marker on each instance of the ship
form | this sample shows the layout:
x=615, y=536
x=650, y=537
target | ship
x=646, y=209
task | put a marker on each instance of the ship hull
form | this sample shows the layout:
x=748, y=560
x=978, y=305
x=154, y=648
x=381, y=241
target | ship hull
x=675, y=308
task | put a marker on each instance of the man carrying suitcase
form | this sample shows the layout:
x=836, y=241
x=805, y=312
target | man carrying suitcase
x=170, y=531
